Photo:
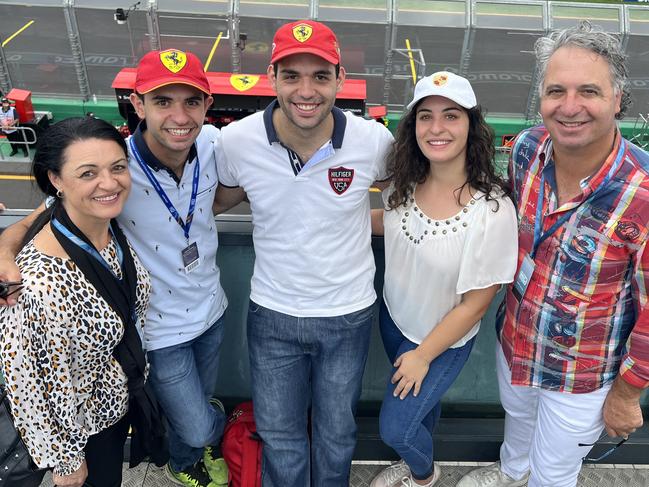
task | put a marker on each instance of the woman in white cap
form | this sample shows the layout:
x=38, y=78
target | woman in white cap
x=450, y=242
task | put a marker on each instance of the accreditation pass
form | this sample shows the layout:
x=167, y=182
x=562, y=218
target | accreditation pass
x=190, y=257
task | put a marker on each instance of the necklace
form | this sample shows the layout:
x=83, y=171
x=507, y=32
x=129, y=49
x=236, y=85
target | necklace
x=432, y=227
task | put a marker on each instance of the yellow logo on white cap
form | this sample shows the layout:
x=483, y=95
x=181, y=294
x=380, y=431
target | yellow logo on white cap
x=173, y=60
x=243, y=82
x=440, y=79
x=302, y=32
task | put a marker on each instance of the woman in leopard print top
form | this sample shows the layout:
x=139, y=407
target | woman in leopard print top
x=57, y=343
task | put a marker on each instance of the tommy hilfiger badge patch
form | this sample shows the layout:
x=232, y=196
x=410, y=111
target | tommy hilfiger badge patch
x=340, y=178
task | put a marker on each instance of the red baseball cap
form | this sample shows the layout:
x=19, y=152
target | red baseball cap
x=305, y=36
x=161, y=68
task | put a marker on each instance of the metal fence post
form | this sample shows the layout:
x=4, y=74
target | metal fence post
x=390, y=43
x=531, y=108
x=76, y=49
x=313, y=9
x=469, y=35
x=152, y=25
x=5, y=77
x=235, y=42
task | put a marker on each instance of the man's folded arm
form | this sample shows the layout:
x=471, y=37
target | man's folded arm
x=11, y=240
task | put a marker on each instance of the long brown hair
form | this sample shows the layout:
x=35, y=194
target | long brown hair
x=408, y=165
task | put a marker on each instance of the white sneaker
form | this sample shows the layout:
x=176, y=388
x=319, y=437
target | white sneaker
x=392, y=475
x=409, y=482
x=490, y=476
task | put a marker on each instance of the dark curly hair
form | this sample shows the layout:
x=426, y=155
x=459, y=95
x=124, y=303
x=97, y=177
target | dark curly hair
x=408, y=165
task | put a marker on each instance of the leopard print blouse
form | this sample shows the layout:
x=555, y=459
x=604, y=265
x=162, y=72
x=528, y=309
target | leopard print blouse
x=56, y=351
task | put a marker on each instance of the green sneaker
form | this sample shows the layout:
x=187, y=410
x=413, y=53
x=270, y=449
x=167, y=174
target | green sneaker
x=193, y=476
x=212, y=457
x=215, y=465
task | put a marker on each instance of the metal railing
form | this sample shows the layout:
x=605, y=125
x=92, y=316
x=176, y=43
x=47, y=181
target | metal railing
x=26, y=141
x=640, y=134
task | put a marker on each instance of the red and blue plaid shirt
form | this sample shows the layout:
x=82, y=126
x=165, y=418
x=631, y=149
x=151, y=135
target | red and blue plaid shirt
x=584, y=316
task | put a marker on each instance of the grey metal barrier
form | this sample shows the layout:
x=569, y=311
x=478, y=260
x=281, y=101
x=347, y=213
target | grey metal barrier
x=26, y=141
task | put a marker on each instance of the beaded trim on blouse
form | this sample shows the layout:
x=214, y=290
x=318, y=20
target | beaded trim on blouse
x=433, y=227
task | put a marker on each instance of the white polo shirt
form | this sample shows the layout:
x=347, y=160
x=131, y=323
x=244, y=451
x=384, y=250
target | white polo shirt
x=182, y=306
x=311, y=227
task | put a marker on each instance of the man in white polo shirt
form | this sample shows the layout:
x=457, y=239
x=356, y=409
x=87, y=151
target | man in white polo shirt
x=169, y=222
x=306, y=168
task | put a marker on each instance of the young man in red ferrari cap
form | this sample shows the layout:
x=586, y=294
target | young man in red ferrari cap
x=168, y=221
x=306, y=167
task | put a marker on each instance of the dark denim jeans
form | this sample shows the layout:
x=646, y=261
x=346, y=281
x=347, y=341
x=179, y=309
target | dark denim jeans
x=407, y=425
x=183, y=377
x=300, y=362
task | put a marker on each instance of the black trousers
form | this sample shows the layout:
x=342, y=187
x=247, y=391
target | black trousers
x=104, y=458
x=105, y=455
x=14, y=139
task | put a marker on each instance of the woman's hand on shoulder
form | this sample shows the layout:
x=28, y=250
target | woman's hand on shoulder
x=75, y=479
x=412, y=368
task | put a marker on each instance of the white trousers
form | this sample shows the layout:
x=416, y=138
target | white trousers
x=543, y=429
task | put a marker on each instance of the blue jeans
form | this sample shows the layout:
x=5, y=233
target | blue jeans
x=183, y=377
x=407, y=425
x=300, y=362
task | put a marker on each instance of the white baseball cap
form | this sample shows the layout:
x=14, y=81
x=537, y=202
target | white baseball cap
x=446, y=84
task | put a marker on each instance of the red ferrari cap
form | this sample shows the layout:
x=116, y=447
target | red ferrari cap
x=160, y=68
x=305, y=36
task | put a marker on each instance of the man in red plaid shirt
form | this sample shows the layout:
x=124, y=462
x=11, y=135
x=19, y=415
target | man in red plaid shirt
x=573, y=357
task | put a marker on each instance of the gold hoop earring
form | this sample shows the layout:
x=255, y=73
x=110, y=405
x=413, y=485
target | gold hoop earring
x=59, y=194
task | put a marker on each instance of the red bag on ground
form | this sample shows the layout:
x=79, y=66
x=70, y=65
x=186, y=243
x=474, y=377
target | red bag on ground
x=241, y=447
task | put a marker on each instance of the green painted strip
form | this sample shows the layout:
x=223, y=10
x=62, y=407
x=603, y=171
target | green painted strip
x=62, y=108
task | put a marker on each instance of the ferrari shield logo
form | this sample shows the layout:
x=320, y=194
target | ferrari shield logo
x=302, y=32
x=173, y=60
x=243, y=82
x=440, y=79
x=340, y=178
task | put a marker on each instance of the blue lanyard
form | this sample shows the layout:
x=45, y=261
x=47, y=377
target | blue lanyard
x=89, y=248
x=185, y=225
x=539, y=236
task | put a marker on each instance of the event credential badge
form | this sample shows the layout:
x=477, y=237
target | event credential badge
x=523, y=277
x=190, y=257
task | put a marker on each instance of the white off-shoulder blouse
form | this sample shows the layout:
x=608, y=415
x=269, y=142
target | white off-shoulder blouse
x=430, y=263
x=56, y=350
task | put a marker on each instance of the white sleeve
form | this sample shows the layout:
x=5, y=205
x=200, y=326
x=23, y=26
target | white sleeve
x=210, y=132
x=212, y=135
x=225, y=170
x=216, y=149
x=490, y=253
x=384, y=144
